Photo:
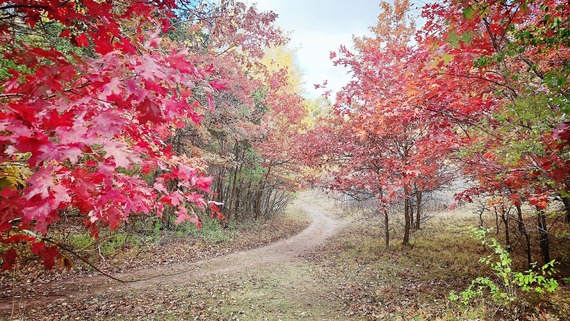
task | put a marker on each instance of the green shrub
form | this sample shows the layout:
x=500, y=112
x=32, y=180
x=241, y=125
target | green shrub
x=504, y=288
x=212, y=231
x=115, y=242
x=81, y=241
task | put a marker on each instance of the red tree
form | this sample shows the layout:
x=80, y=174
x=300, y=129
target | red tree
x=515, y=55
x=91, y=127
x=389, y=138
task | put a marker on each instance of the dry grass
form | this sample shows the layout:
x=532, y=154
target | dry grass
x=414, y=282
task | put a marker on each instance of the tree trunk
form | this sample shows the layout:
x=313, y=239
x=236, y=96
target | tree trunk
x=386, y=228
x=480, y=211
x=260, y=192
x=237, y=203
x=169, y=211
x=220, y=181
x=505, y=219
x=522, y=229
x=411, y=207
x=543, y=231
x=236, y=188
x=257, y=203
x=419, y=195
x=232, y=199
x=406, y=240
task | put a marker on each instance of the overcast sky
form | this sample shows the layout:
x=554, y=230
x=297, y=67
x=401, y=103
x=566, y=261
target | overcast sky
x=319, y=27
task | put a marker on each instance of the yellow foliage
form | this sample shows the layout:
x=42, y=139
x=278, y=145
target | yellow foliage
x=14, y=174
x=281, y=57
x=316, y=108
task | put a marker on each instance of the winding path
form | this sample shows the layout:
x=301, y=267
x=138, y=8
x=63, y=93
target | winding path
x=279, y=266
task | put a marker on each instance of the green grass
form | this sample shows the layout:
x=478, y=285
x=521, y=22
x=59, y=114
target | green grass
x=212, y=231
x=106, y=245
x=81, y=241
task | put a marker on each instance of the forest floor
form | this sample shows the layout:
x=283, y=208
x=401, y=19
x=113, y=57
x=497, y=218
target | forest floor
x=335, y=269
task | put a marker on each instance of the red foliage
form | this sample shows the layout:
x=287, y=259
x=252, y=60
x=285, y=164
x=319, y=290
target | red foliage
x=388, y=131
x=90, y=127
x=506, y=51
x=473, y=81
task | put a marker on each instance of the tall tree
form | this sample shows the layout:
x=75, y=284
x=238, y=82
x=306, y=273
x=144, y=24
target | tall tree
x=387, y=122
x=244, y=138
x=519, y=52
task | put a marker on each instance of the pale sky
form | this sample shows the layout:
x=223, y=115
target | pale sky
x=319, y=27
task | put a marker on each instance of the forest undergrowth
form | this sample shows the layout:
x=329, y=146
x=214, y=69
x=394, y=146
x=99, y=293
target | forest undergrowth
x=414, y=282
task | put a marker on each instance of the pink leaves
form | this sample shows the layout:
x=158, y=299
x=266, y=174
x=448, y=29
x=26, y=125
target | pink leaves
x=40, y=182
x=178, y=60
x=120, y=154
x=70, y=152
x=43, y=197
x=203, y=183
x=183, y=216
x=149, y=69
x=562, y=132
x=218, y=85
x=174, y=199
x=112, y=87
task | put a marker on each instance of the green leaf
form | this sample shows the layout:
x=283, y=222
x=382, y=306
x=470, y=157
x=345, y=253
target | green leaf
x=466, y=37
x=447, y=58
x=453, y=296
x=453, y=39
x=469, y=13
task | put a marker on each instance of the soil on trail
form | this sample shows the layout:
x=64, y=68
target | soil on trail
x=274, y=282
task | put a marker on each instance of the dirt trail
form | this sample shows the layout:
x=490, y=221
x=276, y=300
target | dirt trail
x=269, y=281
x=323, y=225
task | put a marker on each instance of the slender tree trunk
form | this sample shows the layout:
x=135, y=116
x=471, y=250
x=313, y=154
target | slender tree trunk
x=522, y=229
x=247, y=199
x=232, y=199
x=505, y=219
x=260, y=192
x=227, y=188
x=268, y=207
x=480, y=212
x=406, y=240
x=220, y=192
x=166, y=215
x=543, y=232
x=169, y=210
x=419, y=195
x=411, y=207
x=257, y=203
x=386, y=228
x=237, y=201
x=236, y=188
